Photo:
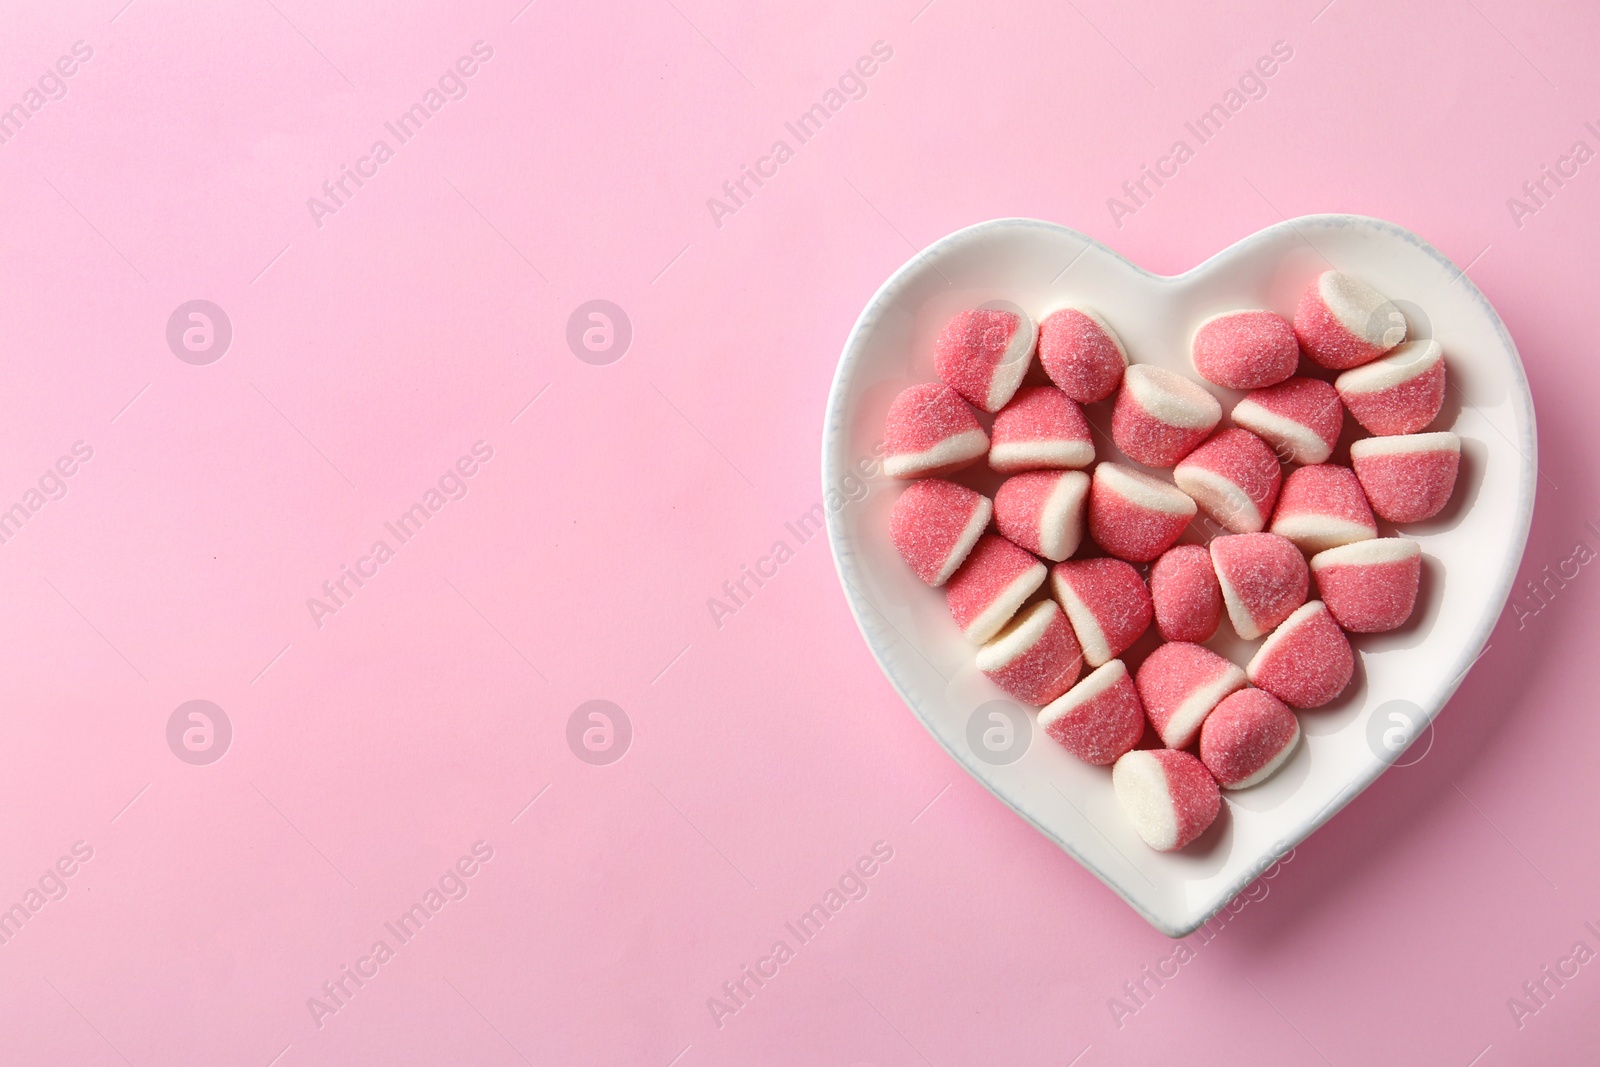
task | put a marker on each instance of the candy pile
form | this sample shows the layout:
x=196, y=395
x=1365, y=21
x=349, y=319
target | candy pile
x=1070, y=562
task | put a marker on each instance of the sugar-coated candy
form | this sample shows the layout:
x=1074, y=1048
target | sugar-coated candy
x=1245, y=349
x=1247, y=737
x=1234, y=478
x=1321, y=507
x=1081, y=353
x=1185, y=594
x=1168, y=795
x=1264, y=578
x=1041, y=427
x=1307, y=660
x=1343, y=323
x=997, y=578
x=1370, y=586
x=1107, y=602
x=1043, y=511
x=1301, y=418
x=1134, y=516
x=983, y=354
x=1098, y=719
x=1400, y=393
x=930, y=430
x=1035, y=657
x=1179, y=683
x=1409, y=478
x=934, y=525
x=1160, y=416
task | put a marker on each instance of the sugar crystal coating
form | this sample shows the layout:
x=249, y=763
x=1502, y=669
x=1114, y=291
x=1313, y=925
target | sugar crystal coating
x=983, y=354
x=1245, y=349
x=1322, y=507
x=1107, y=602
x=1098, y=719
x=1301, y=419
x=1370, y=586
x=1134, y=516
x=1343, y=322
x=934, y=524
x=1185, y=594
x=1179, y=683
x=1234, y=478
x=1168, y=795
x=997, y=578
x=1159, y=416
x=1043, y=511
x=1081, y=353
x=1247, y=737
x=1398, y=394
x=1035, y=657
x=1041, y=428
x=1408, y=478
x=1307, y=661
x=930, y=430
x=1264, y=578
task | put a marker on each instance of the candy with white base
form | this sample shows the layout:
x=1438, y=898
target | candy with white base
x=1245, y=349
x=996, y=580
x=1343, y=322
x=1107, y=602
x=1301, y=419
x=1185, y=594
x=1134, y=516
x=1160, y=417
x=1323, y=507
x=1234, y=478
x=1081, y=353
x=1035, y=657
x=1370, y=586
x=1247, y=737
x=1098, y=719
x=1307, y=661
x=1409, y=478
x=1400, y=393
x=934, y=525
x=1169, y=796
x=1041, y=428
x=930, y=430
x=1179, y=683
x=983, y=354
x=1263, y=577
x=1043, y=511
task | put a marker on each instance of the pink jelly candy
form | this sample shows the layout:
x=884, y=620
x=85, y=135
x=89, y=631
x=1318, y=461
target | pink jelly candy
x=1409, y=478
x=1107, y=602
x=1043, y=511
x=991, y=585
x=1160, y=417
x=1245, y=349
x=934, y=525
x=1185, y=594
x=1321, y=507
x=1035, y=657
x=1343, y=323
x=1179, y=683
x=1247, y=737
x=1134, y=516
x=1041, y=427
x=983, y=354
x=930, y=430
x=1307, y=661
x=1400, y=393
x=1098, y=719
x=1301, y=419
x=1081, y=354
x=1233, y=478
x=1169, y=796
x=1370, y=586
x=1264, y=578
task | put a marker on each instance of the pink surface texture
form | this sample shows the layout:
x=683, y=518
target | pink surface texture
x=560, y=346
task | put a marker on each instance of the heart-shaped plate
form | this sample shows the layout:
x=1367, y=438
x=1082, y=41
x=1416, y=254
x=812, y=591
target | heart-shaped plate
x=1471, y=551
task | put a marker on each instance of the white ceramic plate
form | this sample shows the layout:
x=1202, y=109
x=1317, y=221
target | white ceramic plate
x=1471, y=551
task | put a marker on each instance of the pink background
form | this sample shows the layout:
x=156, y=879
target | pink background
x=768, y=753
